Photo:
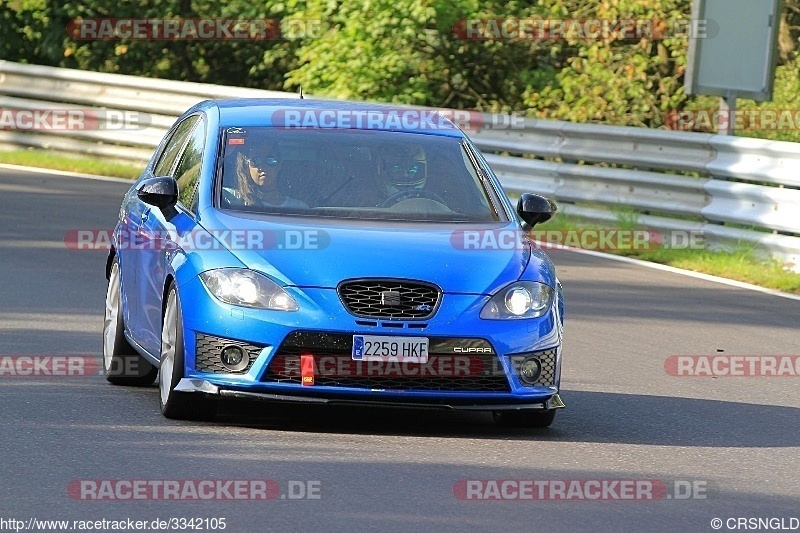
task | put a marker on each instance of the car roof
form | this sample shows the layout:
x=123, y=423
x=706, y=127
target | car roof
x=331, y=114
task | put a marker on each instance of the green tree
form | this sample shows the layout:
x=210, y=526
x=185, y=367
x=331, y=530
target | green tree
x=411, y=52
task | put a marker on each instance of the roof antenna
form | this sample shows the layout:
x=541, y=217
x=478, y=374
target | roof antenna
x=301, y=92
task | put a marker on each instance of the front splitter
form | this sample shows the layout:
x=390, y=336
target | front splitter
x=203, y=386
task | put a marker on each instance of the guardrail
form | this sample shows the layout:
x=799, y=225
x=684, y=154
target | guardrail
x=742, y=189
x=745, y=189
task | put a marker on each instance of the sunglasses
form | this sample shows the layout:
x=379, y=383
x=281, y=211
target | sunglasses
x=261, y=162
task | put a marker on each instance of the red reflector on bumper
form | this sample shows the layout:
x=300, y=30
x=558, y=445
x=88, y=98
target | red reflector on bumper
x=307, y=369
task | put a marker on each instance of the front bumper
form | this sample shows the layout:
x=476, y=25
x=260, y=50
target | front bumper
x=205, y=387
x=267, y=335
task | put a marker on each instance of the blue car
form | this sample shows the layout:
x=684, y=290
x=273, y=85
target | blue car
x=331, y=253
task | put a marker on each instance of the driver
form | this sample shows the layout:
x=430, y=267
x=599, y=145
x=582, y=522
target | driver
x=396, y=171
x=402, y=169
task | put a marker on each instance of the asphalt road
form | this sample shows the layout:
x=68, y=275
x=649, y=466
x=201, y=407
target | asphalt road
x=626, y=418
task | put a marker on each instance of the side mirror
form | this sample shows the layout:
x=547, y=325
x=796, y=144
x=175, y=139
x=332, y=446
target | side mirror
x=534, y=209
x=161, y=192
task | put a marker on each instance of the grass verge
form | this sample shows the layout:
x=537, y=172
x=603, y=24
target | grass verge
x=85, y=165
x=742, y=262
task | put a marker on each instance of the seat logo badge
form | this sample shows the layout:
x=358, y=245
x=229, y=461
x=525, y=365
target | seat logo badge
x=390, y=298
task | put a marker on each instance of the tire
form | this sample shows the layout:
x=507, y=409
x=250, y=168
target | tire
x=525, y=418
x=122, y=365
x=177, y=405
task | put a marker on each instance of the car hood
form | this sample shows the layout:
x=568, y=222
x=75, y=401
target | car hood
x=306, y=252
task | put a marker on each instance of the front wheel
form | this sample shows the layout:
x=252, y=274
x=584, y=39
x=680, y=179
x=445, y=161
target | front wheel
x=174, y=404
x=525, y=418
x=122, y=365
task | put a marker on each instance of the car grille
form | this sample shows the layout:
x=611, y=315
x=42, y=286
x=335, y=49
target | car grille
x=547, y=359
x=208, y=348
x=445, y=370
x=397, y=299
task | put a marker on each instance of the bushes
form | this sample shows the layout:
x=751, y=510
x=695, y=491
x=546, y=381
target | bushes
x=406, y=52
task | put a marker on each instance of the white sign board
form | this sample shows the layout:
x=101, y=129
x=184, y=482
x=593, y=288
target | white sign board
x=732, y=48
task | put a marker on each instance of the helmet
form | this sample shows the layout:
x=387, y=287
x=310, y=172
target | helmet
x=403, y=167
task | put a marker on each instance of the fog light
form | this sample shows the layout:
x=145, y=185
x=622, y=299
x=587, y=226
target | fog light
x=234, y=358
x=530, y=370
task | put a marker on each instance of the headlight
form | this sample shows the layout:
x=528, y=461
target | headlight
x=523, y=299
x=239, y=286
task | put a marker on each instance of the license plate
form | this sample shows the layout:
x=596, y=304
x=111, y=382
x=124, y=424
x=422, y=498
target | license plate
x=384, y=348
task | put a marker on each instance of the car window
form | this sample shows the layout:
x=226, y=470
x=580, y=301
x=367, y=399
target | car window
x=350, y=173
x=174, y=146
x=188, y=170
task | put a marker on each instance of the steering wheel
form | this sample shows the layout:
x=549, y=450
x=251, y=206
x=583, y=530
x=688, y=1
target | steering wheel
x=412, y=193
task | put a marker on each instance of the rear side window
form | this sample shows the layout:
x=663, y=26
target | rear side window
x=174, y=146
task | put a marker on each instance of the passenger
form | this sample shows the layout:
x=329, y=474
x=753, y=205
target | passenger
x=258, y=181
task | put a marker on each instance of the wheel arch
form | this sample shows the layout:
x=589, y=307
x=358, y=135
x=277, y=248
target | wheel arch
x=112, y=253
x=169, y=281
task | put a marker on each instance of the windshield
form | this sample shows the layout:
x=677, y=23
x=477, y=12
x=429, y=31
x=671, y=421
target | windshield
x=353, y=174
